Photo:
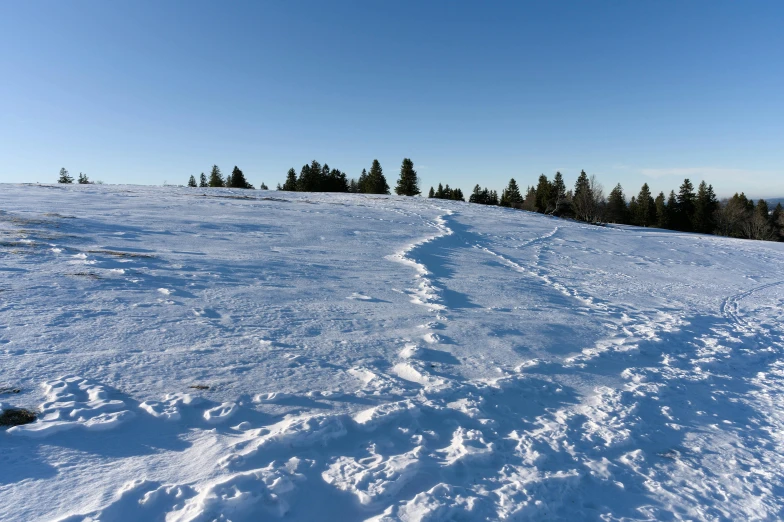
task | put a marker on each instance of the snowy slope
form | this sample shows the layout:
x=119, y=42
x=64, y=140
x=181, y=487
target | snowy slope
x=380, y=358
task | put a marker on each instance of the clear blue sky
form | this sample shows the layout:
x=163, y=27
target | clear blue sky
x=635, y=91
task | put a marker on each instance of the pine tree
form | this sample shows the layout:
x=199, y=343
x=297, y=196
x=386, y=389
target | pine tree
x=83, y=180
x=777, y=221
x=263, y=186
x=376, y=182
x=705, y=208
x=475, y=196
x=192, y=181
x=672, y=211
x=762, y=209
x=686, y=206
x=310, y=177
x=661, y=211
x=216, y=178
x=583, y=199
x=64, y=177
x=513, y=196
x=440, y=191
x=616, y=206
x=407, y=183
x=237, y=180
x=634, y=211
x=646, y=207
x=353, y=186
x=337, y=181
x=557, y=194
x=542, y=195
x=203, y=181
x=291, y=181
x=362, y=184
x=432, y=192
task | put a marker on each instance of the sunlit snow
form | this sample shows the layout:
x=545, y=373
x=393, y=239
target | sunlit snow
x=216, y=354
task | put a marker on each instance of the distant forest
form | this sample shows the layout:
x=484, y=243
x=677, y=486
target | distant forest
x=686, y=210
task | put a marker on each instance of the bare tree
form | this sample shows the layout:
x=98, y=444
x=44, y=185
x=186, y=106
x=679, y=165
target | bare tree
x=756, y=226
x=728, y=217
x=599, y=202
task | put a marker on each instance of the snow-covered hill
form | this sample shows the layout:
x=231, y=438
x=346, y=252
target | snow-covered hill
x=381, y=358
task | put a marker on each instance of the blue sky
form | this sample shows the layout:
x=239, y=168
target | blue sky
x=146, y=92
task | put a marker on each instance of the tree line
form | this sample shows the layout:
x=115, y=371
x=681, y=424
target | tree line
x=315, y=177
x=234, y=180
x=686, y=210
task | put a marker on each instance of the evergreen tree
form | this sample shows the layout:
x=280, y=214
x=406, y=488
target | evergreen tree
x=492, y=198
x=762, y=209
x=216, y=178
x=616, y=206
x=362, y=184
x=634, y=211
x=705, y=208
x=583, y=199
x=661, y=211
x=457, y=195
x=672, y=211
x=513, y=196
x=64, y=177
x=475, y=195
x=440, y=192
x=557, y=194
x=192, y=181
x=291, y=181
x=777, y=221
x=83, y=179
x=542, y=195
x=203, y=181
x=408, y=183
x=337, y=181
x=376, y=182
x=353, y=186
x=237, y=180
x=686, y=206
x=505, y=200
x=646, y=207
x=263, y=186
x=432, y=192
x=310, y=177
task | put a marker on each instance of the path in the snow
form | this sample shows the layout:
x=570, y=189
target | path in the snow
x=393, y=359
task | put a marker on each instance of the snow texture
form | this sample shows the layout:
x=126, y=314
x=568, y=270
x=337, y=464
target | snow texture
x=217, y=354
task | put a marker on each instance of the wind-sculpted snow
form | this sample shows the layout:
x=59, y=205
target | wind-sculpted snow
x=196, y=356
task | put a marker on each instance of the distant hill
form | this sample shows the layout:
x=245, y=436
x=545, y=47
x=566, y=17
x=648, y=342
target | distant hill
x=772, y=202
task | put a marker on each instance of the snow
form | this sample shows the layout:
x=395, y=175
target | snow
x=194, y=355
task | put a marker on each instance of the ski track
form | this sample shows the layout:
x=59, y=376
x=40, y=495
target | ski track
x=670, y=415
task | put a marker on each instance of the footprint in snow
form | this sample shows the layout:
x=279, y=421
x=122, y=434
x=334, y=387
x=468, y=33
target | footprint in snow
x=74, y=402
x=221, y=413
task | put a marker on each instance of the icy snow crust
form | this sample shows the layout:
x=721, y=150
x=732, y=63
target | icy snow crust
x=379, y=358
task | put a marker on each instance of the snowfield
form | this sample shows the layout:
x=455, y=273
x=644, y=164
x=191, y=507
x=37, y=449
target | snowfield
x=216, y=354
